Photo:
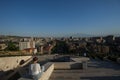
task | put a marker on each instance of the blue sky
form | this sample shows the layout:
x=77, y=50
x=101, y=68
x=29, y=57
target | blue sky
x=56, y=17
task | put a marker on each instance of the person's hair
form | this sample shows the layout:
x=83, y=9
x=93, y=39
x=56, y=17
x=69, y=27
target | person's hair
x=35, y=59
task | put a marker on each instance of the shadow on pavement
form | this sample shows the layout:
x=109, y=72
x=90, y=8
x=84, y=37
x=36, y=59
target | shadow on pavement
x=103, y=64
x=101, y=78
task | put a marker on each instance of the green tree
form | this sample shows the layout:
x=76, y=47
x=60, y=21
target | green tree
x=61, y=47
x=11, y=47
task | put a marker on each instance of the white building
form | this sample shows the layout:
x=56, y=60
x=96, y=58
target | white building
x=2, y=46
x=26, y=45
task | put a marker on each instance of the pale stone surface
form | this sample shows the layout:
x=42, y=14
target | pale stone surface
x=47, y=73
x=76, y=63
x=68, y=65
x=16, y=70
x=81, y=59
x=97, y=70
x=9, y=63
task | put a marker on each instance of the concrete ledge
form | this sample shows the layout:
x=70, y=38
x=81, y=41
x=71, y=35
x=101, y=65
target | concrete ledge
x=81, y=59
x=68, y=65
x=47, y=72
x=78, y=63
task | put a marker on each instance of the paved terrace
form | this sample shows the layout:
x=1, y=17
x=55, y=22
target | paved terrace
x=97, y=70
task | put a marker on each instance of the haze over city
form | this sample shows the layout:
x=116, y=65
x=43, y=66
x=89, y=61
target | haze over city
x=59, y=17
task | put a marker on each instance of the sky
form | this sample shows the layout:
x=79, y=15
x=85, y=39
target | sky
x=59, y=17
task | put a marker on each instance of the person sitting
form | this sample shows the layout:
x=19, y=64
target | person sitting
x=35, y=69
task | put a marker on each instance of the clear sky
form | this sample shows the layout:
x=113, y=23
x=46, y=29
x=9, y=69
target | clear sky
x=55, y=17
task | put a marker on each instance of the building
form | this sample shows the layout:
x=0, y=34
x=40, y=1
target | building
x=2, y=46
x=28, y=46
x=110, y=39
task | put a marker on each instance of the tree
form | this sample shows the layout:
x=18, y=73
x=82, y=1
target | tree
x=11, y=47
x=61, y=47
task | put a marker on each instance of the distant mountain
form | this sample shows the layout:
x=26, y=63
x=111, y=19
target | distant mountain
x=78, y=35
x=116, y=35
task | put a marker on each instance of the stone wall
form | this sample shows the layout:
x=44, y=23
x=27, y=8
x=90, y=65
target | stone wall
x=68, y=65
x=9, y=63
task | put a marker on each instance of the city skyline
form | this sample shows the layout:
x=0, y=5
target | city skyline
x=59, y=17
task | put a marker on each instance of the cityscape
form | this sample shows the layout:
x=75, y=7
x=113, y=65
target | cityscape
x=71, y=39
x=105, y=49
x=104, y=46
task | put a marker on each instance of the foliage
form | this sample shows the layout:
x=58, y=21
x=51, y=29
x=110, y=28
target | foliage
x=101, y=56
x=92, y=55
x=113, y=58
x=11, y=47
x=61, y=47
